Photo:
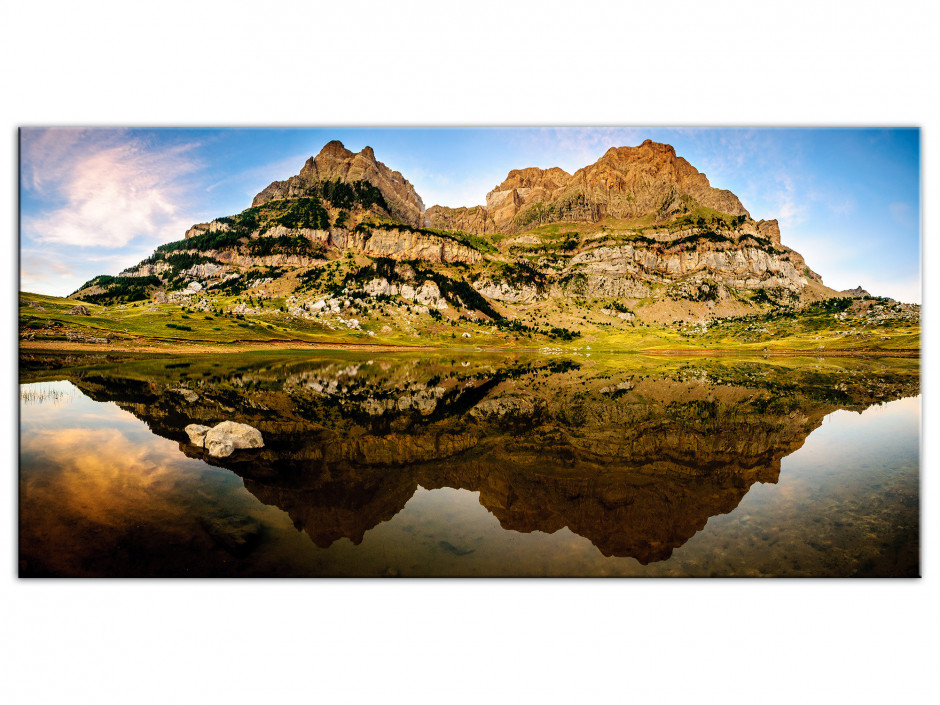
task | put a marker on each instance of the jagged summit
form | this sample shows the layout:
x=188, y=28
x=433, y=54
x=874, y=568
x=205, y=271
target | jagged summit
x=626, y=182
x=336, y=163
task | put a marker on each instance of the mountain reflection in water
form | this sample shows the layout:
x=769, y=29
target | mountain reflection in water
x=633, y=454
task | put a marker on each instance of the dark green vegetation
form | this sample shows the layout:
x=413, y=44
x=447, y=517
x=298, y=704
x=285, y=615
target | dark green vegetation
x=285, y=245
x=347, y=196
x=840, y=323
x=456, y=292
x=703, y=217
x=573, y=207
x=120, y=289
x=520, y=274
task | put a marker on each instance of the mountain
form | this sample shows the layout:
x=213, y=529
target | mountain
x=336, y=163
x=627, y=182
x=639, y=237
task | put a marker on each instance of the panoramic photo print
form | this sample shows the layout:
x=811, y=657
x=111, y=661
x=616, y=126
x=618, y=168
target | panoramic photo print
x=469, y=352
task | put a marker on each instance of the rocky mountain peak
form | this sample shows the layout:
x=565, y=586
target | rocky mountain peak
x=651, y=173
x=626, y=182
x=336, y=163
x=335, y=149
x=533, y=177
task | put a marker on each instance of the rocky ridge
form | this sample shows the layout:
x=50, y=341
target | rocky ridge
x=634, y=231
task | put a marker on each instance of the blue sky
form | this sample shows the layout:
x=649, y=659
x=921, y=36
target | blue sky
x=94, y=201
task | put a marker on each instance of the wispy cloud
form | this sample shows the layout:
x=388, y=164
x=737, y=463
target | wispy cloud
x=258, y=177
x=46, y=269
x=575, y=147
x=727, y=152
x=109, y=186
x=789, y=206
x=839, y=204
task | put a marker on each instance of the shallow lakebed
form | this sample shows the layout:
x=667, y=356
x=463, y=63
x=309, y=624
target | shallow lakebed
x=471, y=464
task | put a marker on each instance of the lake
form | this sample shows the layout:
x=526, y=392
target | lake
x=447, y=463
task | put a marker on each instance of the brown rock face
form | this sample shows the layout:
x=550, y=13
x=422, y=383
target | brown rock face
x=630, y=181
x=626, y=182
x=335, y=162
x=470, y=220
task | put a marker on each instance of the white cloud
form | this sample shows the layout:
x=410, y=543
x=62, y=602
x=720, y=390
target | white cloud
x=42, y=271
x=789, y=210
x=108, y=187
x=727, y=152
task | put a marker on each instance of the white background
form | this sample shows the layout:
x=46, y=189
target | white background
x=424, y=63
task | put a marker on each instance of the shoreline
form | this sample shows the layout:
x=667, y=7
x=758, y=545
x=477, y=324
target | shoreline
x=205, y=347
x=260, y=346
x=789, y=352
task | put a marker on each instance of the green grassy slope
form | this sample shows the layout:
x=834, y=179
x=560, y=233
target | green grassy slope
x=815, y=329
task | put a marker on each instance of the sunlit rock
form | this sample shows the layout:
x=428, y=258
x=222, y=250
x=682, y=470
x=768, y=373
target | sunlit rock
x=197, y=434
x=229, y=436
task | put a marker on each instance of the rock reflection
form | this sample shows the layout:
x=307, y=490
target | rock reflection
x=633, y=454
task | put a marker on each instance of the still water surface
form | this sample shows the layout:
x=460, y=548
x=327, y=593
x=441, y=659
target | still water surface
x=479, y=466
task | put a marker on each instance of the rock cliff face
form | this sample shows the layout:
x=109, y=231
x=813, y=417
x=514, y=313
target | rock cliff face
x=627, y=182
x=400, y=244
x=475, y=219
x=335, y=162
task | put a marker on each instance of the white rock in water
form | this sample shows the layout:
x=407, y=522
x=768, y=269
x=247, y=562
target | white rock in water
x=197, y=434
x=227, y=436
x=219, y=448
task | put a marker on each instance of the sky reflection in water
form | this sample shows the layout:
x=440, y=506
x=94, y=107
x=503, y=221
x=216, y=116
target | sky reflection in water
x=104, y=495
